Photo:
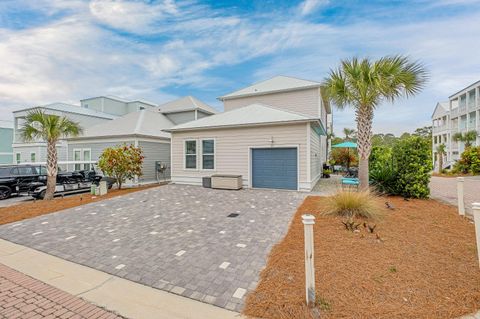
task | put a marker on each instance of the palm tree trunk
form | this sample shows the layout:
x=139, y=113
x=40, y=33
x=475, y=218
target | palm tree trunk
x=364, y=118
x=440, y=162
x=51, y=170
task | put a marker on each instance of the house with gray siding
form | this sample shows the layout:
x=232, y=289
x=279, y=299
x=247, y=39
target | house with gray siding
x=6, y=139
x=142, y=128
x=272, y=133
x=90, y=112
x=186, y=109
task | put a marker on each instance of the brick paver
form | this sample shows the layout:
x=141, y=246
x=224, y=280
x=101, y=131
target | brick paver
x=24, y=297
x=445, y=189
x=176, y=238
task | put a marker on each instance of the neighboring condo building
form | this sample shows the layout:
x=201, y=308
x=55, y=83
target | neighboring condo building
x=6, y=138
x=460, y=114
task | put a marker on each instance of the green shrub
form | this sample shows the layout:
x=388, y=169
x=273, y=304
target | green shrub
x=354, y=204
x=413, y=162
x=384, y=179
x=469, y=162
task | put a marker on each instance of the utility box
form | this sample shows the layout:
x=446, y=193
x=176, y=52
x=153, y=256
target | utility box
x=227, y=181
x=207, y=182
x=103, y=188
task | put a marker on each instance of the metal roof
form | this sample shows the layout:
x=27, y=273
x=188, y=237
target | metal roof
x=119, y=99
x=252, y=114
x=70, y=108
x=143, y=123
x=464, y=89
x=186, y=103
x=275, y=84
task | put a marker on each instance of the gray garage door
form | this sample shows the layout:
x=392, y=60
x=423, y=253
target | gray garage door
x=274, y=168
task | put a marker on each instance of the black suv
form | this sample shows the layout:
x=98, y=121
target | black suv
x=17, y=179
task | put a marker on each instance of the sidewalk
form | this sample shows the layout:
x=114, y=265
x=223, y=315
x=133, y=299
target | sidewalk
x=24, y=297
x=122, y=296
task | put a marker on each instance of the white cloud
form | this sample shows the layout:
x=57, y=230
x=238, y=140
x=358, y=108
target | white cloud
x=309, y=6
x=75, y=56
x=447, y=46
x=133, y=16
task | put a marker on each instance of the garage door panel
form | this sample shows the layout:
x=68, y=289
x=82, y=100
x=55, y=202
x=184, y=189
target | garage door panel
x=275, y=168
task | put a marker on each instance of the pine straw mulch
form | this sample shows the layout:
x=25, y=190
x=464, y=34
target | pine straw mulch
x=30, y=209
x=424, y=266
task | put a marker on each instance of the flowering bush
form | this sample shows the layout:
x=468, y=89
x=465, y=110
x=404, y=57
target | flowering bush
x=121, y=162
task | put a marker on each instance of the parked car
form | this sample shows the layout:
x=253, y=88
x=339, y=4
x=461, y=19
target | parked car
x=32, y=180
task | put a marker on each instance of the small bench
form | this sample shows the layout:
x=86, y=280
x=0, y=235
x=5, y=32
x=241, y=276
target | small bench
x=349, y=182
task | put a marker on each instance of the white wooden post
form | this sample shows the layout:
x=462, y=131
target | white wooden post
x=476, y=218
x=461, y=203
x=308, y=222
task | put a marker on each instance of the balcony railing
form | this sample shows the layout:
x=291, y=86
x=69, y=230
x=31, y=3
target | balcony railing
x=440, y=128
x=18, y=139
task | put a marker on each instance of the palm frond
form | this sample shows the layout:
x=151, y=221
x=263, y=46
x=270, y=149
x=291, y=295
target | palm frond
x=48, y=127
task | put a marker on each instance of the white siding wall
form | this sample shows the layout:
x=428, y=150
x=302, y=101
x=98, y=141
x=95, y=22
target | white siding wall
x=232, y=154
x=301, y=101
x=316, y=156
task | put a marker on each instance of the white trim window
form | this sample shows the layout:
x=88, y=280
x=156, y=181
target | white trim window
x=82, y=155
x=33, y=157
x=208, y=154
x=190, y=154
x=18, y=158
x=77, y=156
x=87, y=156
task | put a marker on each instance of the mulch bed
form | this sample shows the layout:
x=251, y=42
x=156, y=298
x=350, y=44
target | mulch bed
x=32, y=209
x=424, y=266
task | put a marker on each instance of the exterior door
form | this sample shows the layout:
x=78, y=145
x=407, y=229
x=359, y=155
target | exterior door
x=275, y=168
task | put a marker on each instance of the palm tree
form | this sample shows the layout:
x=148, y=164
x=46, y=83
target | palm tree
x=349, y=133
x=440, y=153
x=467, y=137
x=49, y=128
x=364, y=85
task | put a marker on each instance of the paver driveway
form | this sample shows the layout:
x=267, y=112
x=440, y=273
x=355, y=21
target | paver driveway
x=176, y=238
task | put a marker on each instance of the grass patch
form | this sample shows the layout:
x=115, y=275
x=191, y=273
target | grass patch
x=322, y=303
x=354, y=205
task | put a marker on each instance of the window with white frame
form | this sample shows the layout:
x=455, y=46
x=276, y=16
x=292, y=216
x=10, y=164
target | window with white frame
x=208, y=154
x=77, y=157
x=87, y=156
x=82, y=155
x=191, y=154
x=33, y=157
x=18, y=158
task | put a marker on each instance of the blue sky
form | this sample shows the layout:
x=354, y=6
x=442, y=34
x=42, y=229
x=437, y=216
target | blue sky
x=65, y=50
